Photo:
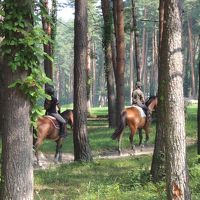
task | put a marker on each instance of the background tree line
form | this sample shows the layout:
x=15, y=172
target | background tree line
x=147, y=17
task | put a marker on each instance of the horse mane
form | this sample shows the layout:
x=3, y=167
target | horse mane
x=149, y=100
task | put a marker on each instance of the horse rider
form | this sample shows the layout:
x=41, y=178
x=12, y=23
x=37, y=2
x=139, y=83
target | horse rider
x=51, y=109
x=138, y=99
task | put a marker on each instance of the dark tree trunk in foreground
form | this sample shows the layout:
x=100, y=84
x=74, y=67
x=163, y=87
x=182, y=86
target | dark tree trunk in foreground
x=171, y=63
x=17, y=170
x=158, y=161
x=107, y=44
x=82, y=150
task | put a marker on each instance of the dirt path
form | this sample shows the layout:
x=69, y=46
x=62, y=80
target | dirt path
x=47, y=160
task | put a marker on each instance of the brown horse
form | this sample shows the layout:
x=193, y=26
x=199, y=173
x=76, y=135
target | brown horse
x=135, y=118
x=48, y=128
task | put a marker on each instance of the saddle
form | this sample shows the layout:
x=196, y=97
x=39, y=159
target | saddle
x=142, y=113
x=53, y=120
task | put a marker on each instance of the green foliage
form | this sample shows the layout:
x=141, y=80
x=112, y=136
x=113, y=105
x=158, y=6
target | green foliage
x=21, y=48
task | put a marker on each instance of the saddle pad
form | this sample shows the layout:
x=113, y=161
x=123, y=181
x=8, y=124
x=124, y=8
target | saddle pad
x=53, y=120
x=141, y=110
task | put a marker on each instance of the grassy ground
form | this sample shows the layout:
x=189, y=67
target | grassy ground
x=106, y=179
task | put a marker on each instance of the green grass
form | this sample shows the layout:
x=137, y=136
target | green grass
x=125, y=178
x=102, y=179
x=191, y=121
x=110, y=179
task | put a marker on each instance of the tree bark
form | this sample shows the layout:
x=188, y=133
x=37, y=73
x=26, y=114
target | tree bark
x=82, y=150
x=191, y=57
x=48, y=65
x=171, y=63
x=107, y=44
x=120, y=48
x=144, y=68
x=88, y=73
x=198, y=113
x=94, y=96
x=136, y=36
x=154, y=69
x=158, y=161
x=131, y=62
x=144, y=50
x=16, y=168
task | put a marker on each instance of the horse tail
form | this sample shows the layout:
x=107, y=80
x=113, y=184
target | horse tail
x=121, y=127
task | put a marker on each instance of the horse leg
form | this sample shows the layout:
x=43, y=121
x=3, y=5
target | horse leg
x=58, y=154
x=132, y=142
x=133, y=130
x=36, y=147
x=140, y=137
x=147, y=135
x=120, y=145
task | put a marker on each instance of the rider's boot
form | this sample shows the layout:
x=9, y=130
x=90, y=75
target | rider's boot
x=63, y=130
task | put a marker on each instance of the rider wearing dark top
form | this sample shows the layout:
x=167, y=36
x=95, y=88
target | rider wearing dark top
x=51, y=109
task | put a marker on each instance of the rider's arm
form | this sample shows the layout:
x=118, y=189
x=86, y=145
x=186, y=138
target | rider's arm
x=142, y=97
x=59, y=108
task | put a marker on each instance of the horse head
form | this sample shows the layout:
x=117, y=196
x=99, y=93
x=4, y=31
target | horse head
x=152, y=103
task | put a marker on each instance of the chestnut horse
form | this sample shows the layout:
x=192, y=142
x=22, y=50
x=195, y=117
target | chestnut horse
x=48, y=128
x=135, y=118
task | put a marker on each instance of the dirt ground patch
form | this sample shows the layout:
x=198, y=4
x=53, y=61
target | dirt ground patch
x=47, y=160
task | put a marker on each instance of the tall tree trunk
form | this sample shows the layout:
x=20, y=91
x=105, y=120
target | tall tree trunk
x=120, y=48
x=107, y=44
x=198, y=113
x=88, y=73
x=154, y=69
x=144, y=42
x=16, y=167
x=158, y=161
x=191, y=53
x=82, y=150
x=57, y=78
x=53, y=24
x=144, y=64
x=171, y=63
x=94, y=99
x=136, y=36
x=48, y=65
x=114, y=52
x=131, y=62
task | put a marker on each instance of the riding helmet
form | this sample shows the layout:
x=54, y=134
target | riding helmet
x=50, y=90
